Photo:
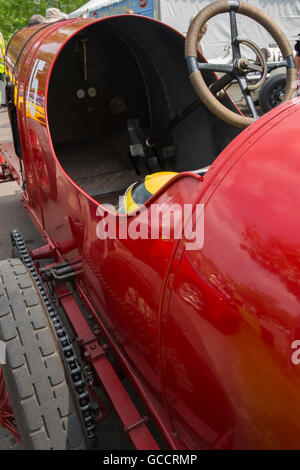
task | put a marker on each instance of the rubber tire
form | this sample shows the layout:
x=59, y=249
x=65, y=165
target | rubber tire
x=35, y=377
x=267, y=90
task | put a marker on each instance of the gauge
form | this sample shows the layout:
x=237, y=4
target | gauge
x=92, y=92
x=80, y=93
x=118, y=105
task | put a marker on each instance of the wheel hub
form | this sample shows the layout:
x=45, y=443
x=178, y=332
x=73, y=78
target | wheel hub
x=242, y=65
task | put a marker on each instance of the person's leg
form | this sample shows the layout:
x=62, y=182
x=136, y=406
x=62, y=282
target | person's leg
x=2, y=92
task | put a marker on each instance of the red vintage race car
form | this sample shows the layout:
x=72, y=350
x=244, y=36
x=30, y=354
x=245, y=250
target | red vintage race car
x=204, y=319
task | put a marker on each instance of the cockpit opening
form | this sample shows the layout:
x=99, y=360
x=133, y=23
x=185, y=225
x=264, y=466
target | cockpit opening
x=116, y=94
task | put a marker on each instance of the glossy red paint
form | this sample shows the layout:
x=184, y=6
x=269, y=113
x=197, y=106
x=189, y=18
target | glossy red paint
x=205, y=335
x=234, y=305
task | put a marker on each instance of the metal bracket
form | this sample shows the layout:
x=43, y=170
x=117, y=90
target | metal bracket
x=93, y=350
x=59, y=273
x=94, y=355
x=143, y=157
x=142, y=421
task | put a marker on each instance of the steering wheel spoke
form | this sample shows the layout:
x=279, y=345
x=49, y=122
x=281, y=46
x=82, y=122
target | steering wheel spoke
x=222, y=68
x=236, y=51
x=247, y=95
x=221, y=84
x=276, y=65
x=255, y=67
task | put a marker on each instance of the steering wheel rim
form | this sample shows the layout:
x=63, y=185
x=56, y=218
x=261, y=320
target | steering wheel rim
x=232, y=7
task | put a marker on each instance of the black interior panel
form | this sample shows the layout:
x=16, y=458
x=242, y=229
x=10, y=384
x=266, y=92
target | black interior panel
x=138, y=70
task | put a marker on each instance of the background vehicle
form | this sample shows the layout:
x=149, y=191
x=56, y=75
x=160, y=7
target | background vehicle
x=204, y=334
x=272, y=92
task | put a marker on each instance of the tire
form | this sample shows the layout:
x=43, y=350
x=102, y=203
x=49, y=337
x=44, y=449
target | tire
x=43, y=403
x=270, y=93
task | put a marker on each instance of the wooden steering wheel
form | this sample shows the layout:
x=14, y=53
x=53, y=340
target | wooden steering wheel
x=240, y=67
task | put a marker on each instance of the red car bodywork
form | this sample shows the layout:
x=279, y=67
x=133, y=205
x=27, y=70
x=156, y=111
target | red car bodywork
x=206, y=335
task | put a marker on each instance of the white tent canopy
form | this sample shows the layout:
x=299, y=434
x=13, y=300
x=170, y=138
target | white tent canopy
x=92, y=5
x=177, y=13
x=286, y=13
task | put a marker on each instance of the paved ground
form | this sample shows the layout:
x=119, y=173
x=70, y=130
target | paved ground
x=12, y=213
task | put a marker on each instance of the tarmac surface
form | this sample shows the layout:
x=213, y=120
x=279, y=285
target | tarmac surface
x=12, y=213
